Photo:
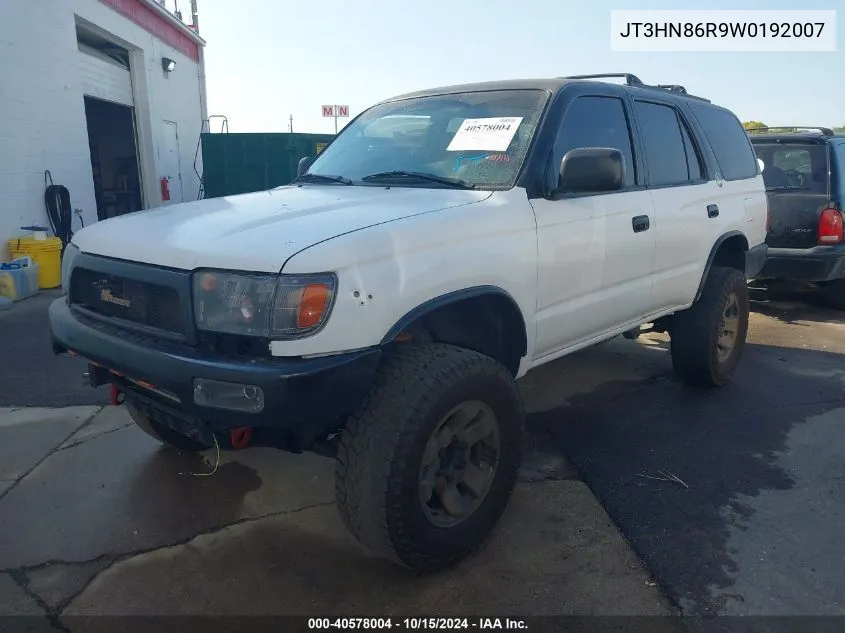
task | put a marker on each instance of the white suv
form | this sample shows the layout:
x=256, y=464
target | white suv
x=382, y=306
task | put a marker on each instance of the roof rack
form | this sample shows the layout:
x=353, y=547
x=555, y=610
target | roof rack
x=630, y=79
x=633, y=80
x=825, y=131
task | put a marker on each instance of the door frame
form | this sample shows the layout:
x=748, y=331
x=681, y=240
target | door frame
x=178, y=162
x=142, y=118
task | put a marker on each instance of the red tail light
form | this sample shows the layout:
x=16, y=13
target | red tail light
x=830, y=227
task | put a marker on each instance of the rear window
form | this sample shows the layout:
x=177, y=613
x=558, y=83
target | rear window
x=794, y=166
x=729, y=142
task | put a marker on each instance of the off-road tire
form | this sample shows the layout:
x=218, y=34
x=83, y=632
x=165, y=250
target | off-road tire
x=381, y=449
x=694, y=333
x=166, y=436
x=833, y=294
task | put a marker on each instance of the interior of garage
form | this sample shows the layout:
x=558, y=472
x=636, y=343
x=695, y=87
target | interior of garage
x=110, y=120
x=114, y=157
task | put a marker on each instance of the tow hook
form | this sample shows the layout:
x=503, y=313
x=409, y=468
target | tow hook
x=240, y=437
x=116, y=397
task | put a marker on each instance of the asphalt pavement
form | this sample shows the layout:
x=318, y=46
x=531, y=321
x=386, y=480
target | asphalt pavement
x=31, y=374
x=638, y=496
x=755, y=526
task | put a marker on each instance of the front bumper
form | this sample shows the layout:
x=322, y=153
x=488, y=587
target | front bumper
x=818, y=264
x=303, y=398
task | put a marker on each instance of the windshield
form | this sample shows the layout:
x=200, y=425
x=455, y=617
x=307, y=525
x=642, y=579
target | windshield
x=794, y=167
x=474, y=140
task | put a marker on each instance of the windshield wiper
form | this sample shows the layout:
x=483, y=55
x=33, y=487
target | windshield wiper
x=322, y=178
x=787, y=188
x=418, y=175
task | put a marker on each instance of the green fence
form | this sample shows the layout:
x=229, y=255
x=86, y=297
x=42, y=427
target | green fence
x=235, y=163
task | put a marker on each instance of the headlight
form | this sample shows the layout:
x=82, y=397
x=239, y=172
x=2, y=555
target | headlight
x=71, y=251
x=271, y=306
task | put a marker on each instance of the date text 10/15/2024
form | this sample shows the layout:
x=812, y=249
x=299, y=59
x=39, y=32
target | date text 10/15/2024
x=412, y=624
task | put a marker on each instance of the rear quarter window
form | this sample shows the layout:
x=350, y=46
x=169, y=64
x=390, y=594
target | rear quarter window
x=729, y=141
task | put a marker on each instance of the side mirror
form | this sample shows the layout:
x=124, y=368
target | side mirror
x=592, y=169
x=304, y=164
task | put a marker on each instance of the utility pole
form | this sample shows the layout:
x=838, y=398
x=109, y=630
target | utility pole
x=290, y=125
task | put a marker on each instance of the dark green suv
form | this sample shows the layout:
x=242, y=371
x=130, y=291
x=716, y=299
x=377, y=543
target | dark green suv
x=804, y=173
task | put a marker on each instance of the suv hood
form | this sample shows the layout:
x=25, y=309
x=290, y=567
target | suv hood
x=258, y=231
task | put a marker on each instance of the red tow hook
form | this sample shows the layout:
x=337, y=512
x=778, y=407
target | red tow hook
x=114, y=395
x=240, y=437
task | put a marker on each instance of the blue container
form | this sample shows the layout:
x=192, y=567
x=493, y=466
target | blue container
x=18, y=279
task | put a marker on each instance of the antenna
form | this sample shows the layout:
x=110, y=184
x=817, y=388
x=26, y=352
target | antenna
x=194, y=17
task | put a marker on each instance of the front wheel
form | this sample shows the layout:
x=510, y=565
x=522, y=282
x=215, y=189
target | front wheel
x=707, y=339
x=427, y=466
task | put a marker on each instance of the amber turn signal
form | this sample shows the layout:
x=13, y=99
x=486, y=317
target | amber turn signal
x=315, y=299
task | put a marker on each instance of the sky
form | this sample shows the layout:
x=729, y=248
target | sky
x=267, y=60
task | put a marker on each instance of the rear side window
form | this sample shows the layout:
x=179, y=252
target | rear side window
x=596, y=122
x=729, y=142
x=665, y=147
x=794, y=166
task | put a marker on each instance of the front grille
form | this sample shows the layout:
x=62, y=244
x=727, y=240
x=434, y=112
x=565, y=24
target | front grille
x=140, y=302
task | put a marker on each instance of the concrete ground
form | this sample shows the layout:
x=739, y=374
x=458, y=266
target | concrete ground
x=96, y=519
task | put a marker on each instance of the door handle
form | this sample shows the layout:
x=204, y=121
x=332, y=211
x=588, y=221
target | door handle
x=640, y=223
x=712, y=210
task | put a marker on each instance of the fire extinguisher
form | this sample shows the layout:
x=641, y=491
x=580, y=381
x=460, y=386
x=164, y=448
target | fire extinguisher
x=165, y=188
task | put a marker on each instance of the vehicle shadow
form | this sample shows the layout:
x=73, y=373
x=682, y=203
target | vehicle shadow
x=793, y=305
x=723, y=446
x=174, y=496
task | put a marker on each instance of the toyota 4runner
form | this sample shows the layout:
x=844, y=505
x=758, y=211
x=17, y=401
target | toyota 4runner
x=382, y=306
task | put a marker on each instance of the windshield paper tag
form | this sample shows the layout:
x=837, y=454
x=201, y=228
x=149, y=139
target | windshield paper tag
x=488, y=135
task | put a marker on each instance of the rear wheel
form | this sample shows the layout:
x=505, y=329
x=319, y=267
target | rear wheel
x=163, y=434
x=833, y=294
x=427, y=466
x=707, y=339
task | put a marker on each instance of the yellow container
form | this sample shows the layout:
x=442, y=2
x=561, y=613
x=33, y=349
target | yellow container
x=46, y=253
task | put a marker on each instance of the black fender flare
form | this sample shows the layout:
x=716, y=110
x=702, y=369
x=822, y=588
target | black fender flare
x=453, y=297
x=715, y=249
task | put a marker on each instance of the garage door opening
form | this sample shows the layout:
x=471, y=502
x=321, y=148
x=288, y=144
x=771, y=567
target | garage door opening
x=114, y=158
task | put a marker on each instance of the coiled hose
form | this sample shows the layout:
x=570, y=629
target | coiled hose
x=59, y=212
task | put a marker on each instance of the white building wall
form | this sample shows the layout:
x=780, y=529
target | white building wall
x=42, y=113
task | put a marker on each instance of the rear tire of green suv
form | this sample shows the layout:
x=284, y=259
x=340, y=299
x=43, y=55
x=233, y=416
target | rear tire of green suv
x=833, y=294
x=707, y=339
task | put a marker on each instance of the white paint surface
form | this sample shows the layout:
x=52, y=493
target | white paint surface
x=43, y=77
